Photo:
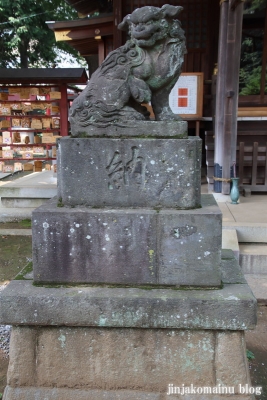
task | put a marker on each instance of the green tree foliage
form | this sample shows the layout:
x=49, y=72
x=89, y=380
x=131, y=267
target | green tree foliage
x=25, y=39
x=252, y=5
x=251, y=61
x=251, y=52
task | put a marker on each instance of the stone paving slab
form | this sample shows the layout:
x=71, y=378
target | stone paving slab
x=257, y=206
x=227, y=216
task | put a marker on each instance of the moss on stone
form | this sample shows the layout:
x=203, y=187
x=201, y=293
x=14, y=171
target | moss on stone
x=60, y=203
x=123, y=286
x=26, y=270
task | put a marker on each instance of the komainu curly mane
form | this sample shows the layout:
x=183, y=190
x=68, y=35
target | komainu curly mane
x=143, y=70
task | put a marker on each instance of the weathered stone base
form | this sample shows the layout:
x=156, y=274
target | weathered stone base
x=128, y=246
x=103, y=343
x=121, y=363
x=231, y=308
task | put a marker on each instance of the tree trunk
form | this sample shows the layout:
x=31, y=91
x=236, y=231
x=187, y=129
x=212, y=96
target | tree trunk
x=23, y=52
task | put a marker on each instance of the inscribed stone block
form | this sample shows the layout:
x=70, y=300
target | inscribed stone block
x=127, y=246
x=130, y=172
x=89, y=245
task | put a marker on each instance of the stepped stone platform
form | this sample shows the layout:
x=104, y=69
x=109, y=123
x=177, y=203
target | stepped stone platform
x=65, y=332
x=131, y=291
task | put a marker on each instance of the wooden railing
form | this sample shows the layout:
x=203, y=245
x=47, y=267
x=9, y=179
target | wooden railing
x=251, y=160
x=252, y=167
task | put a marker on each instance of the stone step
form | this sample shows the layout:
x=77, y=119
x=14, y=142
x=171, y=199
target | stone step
x=4, y=175
x=18, y=202
x=230, y=241
x=253, y=258
x=248, y=232
x=15, y=232
x=15, y=214
x=29, y=191
x=258, y=285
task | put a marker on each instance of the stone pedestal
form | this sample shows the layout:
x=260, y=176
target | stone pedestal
x=131, y=295
x=127, y=343
x=123, y=363
x=128, y=246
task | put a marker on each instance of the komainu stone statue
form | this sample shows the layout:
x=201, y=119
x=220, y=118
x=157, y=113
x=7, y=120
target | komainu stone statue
x=144, y=70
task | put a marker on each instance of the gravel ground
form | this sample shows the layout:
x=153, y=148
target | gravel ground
x=5, y=331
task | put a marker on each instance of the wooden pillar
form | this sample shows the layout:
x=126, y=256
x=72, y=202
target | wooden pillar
x=232, y=83
x=101, y=51
x=117, y=34
x=220, y=96
x=227, y=92
x=64, y=110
